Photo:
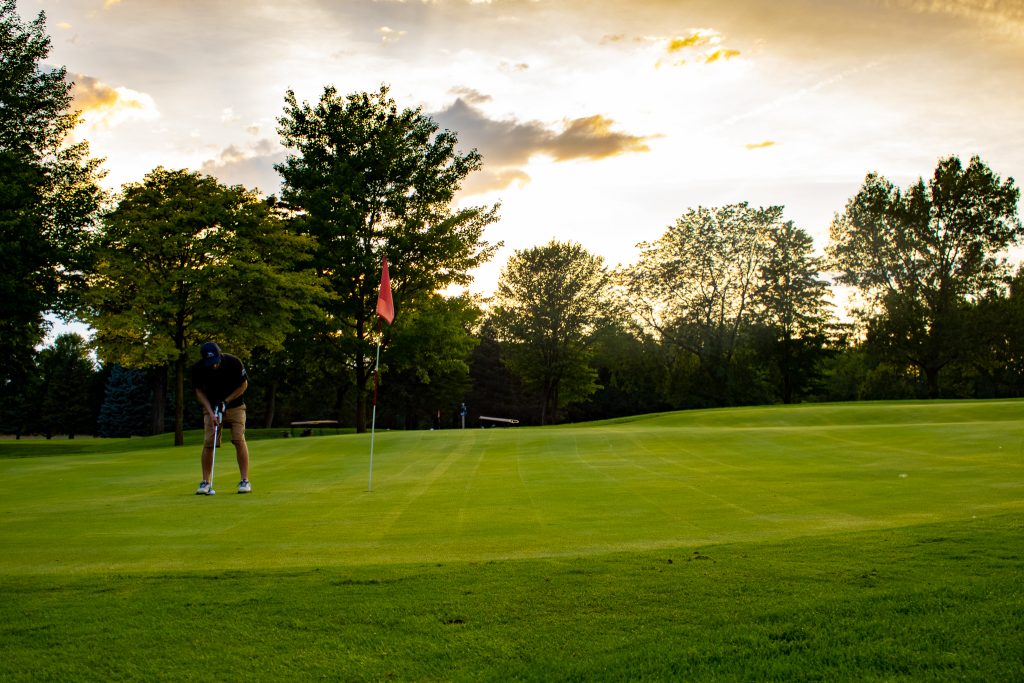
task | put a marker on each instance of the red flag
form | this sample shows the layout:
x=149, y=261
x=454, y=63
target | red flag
x=385, y=304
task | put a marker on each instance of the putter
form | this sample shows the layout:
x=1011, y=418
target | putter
x=213, y=457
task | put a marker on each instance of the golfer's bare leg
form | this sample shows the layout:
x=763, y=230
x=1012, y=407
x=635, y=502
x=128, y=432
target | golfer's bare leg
x=207, y=463
x=242, y=455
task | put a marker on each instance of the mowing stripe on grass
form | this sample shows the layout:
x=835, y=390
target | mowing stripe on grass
x=684, y=478
x=858, y=542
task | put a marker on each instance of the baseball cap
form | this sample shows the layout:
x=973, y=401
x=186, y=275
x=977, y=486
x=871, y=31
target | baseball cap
x=210, y=353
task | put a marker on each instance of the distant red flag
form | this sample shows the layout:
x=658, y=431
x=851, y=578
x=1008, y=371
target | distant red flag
x=385, y=304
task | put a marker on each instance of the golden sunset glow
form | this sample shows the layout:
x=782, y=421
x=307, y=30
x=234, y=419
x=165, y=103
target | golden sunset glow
x=597, y=122
x=103, y=106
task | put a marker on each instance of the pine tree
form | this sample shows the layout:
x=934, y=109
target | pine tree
x=125, y=409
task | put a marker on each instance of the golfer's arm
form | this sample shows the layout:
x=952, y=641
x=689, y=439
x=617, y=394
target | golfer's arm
x=204, y=402
x=238, y=391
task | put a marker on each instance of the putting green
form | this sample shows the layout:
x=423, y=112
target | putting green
x=675, y=480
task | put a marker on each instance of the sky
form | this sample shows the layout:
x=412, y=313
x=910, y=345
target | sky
x=598, y=122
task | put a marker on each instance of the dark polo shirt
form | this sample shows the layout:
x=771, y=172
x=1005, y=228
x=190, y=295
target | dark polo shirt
x=218, y=383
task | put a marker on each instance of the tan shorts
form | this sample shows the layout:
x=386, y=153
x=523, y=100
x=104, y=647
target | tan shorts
x=234, y=419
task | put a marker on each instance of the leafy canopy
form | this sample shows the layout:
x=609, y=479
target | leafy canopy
x=183, y=259
x=49, y=196
x=921, y=256
x=793, y=308
x=369, y=180
x=695, y=286
x=550, y=301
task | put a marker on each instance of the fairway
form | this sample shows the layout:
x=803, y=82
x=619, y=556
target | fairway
x=86, y=519
x=682, y=479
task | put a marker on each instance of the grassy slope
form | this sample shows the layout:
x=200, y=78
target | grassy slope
x=816, y=542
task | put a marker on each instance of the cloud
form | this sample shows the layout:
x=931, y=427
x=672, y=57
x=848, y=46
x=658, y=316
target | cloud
x=513, y=67
x=104, y=106
x=508, y=144
x=486, y=180
x=390, y=35
x=1004, y=15
x=696, y=39
x=721, y=54
x=700, y=44
x=592, y=137
x=616, y=38
x=251, y=167
x=470, y=95
x=760, y=145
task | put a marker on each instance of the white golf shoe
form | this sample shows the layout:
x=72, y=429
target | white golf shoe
x=244, y=486
x=205, y=489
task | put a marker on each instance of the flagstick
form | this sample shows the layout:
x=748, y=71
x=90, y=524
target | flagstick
x=373, y=422
x=386, y=310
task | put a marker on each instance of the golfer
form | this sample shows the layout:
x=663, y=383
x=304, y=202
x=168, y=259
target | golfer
x=220, y=380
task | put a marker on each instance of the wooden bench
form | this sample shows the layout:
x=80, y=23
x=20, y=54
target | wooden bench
x=310, y=425
x=500, y=420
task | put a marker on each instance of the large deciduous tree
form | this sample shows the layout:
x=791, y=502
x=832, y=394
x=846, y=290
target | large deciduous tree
x=369, y=180
x=921, y=256
x=695, y=288
x=49, y=197
x=184, y=259
x=428, y=359
x=792, y=304
x=550, y=301
x=998, y=338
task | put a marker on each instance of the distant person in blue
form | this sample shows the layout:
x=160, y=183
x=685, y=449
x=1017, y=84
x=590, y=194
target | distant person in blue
x=220, y=380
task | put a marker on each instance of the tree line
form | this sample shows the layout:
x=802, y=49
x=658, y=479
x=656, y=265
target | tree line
x=732, y=305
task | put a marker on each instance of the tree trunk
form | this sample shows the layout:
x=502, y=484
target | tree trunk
x=270, y=399
x=549, y=411
x=361, y=376
x=932, y=377
x=179, y=402
x=787, y=369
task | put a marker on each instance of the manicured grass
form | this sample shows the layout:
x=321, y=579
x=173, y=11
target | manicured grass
x=839, y=542
x=940, y=602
